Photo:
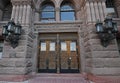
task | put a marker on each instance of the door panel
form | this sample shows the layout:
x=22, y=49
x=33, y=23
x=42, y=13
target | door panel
x=47, y=57
x=68, y=58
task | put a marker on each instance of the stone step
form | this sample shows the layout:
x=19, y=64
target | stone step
x=58, y=78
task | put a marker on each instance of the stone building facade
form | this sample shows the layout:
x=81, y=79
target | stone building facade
x=40, y=31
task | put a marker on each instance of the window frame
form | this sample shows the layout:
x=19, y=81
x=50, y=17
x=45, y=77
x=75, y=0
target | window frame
x=47, y=19
x=72, y=10
x=110, y=6
x=7, y=10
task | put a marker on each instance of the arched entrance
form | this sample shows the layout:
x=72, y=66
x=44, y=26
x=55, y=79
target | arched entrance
x=58, y=53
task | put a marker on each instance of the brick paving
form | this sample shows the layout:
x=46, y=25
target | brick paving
x=69, y=78
x=55, y=78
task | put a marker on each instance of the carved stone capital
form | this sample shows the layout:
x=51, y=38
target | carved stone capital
x=96, y=0
x=21, y=2
x=57, y=8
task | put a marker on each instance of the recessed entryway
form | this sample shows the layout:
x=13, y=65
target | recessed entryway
x=58, y=53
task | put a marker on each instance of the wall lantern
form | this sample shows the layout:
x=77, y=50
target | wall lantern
x=106, y=31
x=11, y=33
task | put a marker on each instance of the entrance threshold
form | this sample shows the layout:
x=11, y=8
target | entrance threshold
x=59, y=74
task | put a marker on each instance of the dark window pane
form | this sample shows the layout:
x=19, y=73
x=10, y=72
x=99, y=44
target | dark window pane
x=109, y=3
x=7, y=13
x=110, y=9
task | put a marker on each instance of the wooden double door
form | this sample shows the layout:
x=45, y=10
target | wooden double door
x=58, y=56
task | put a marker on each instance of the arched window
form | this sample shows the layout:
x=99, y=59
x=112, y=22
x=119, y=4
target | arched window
x=111, y=8
x=67, y=11
x=47, y=12
x=7, y=12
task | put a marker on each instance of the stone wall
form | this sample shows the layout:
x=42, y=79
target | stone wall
x=99, y=60
x=16, y=63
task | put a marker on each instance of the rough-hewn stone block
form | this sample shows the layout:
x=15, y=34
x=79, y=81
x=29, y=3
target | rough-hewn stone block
x=101, y=48
x=106, y=62
x=105, y=54
x=106, y=71
x=12, y=70
x=7, y=63
x=20, y=48
x=22, y=42
x=20, y=55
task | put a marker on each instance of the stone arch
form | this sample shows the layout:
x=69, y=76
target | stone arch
x=71, y=1
x=39, y=3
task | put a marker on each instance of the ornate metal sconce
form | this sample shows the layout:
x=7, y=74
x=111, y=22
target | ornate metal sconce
x=11, y=33
x=106, y=31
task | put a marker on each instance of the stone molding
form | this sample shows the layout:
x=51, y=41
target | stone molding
x=96, y=0
x=57, y=26
x=83, y=2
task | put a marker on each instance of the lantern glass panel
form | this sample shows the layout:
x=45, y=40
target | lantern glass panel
x=4, y=31
x=18, y=30
x=108, y=23
x=10, y=27
x=99, y=28
x=115, y=29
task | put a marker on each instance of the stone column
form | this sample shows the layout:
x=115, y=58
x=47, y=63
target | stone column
x=57, y=9
x=35, y=52
x=92, y=12
x=37, y=16
x=82, y=48
x=104, y=8
x=78, y=11
x=28, y=11
x=16, y=13
x=101, y=11
x=96, y=10
x=24, y=14
x=13, y=11
x=89, y=18
x=20, y=13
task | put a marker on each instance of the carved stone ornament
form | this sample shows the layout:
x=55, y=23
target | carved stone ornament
x=21, y=2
